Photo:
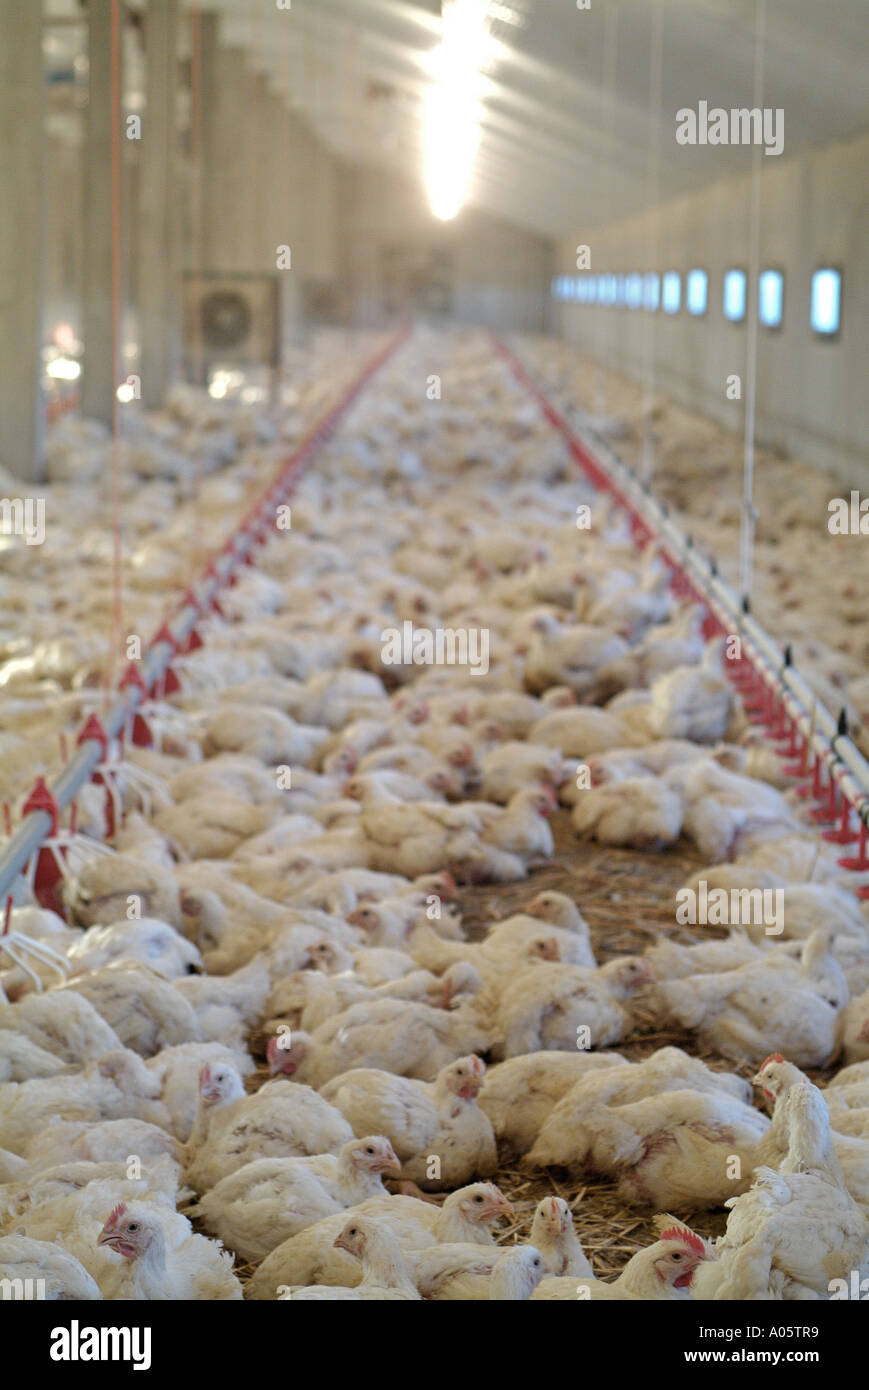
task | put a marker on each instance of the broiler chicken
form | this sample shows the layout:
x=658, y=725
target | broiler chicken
x=196, y=1268
x=562, y=1007
x=281, y=1120
x=766, y=1004
x=662, y=1271
x=44, y=1267
x=438, y=1120
x=796, y=1229
x=406, y=1038
x=263, y=1203
x=385, y=1274
x=310, y=1257
x=519, y=1094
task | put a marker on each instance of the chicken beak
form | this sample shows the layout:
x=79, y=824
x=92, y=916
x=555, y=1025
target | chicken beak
x=499, y=1206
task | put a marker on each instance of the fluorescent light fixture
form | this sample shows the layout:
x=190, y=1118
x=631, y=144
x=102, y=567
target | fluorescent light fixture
x=671, y=292
x=735, y=295
x=63, y=369
x=633, y=290
x=592, y=290
x=620, y=290
x=771, y=298
x=582, y=290
x=651, y=291
x=826, y=311
x=696, y=292
x=451, y=126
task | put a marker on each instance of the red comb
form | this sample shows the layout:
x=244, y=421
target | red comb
x=686, y=1236
x=116, y=1213
x=773, y=1057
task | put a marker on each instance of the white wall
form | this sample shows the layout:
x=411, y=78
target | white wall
x=500, y=273
x=812, y=394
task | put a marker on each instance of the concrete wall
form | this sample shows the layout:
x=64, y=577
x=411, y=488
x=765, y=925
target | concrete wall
x=498, y=274
x=812, y=394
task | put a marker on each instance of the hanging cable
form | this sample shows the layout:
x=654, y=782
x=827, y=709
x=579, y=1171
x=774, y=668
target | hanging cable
x=117, y=594
x=656, y=51
x=608, y=97
x=749, y=513
x=196, y=238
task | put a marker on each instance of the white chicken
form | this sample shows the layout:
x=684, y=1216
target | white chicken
x=63, y=1023
x=662, y=1271
x=642, y=812
x=519, y=1094
x=147, y=1012
x=564, y=1007
x=404, y=1037
x=466, y=1216
x=41, y=1269
x=385, y=1274
x=770, y=1004
x=263, y=1203
x=438, y=1121
x=553, y=1234
x=145, y=1268
x=796, y=1229
x=281, y=1120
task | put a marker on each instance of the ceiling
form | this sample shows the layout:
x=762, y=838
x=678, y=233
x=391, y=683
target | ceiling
x=572, y=134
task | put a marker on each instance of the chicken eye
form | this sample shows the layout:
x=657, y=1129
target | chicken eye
x=133, y=1226
x=478, y=1198
x=676, y=1257
x=369, y=1150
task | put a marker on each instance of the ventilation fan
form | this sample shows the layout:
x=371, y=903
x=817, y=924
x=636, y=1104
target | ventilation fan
x=230, y=319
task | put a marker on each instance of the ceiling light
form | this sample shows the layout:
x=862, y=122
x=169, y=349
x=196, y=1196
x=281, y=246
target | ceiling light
x=451, y=128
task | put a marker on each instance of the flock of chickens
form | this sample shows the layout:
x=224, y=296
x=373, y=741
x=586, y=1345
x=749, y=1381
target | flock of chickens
x=808, y=585
x=280, y=898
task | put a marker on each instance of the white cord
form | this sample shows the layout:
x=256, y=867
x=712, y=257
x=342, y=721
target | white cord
x=749, y=514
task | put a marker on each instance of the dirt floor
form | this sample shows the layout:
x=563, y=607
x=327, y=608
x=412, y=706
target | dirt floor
x=628, y=899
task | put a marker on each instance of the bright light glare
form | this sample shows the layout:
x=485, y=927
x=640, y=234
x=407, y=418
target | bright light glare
x=451, y=128
x=770, y=298
x=223, y=381
x=826, y=299
x=671, y=292
x=125, y=393
x=63, y=369
x=735, y=293
x=696, y=291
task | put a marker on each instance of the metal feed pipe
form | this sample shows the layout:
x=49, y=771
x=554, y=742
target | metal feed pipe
x=825, y=736
x=40, y=822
